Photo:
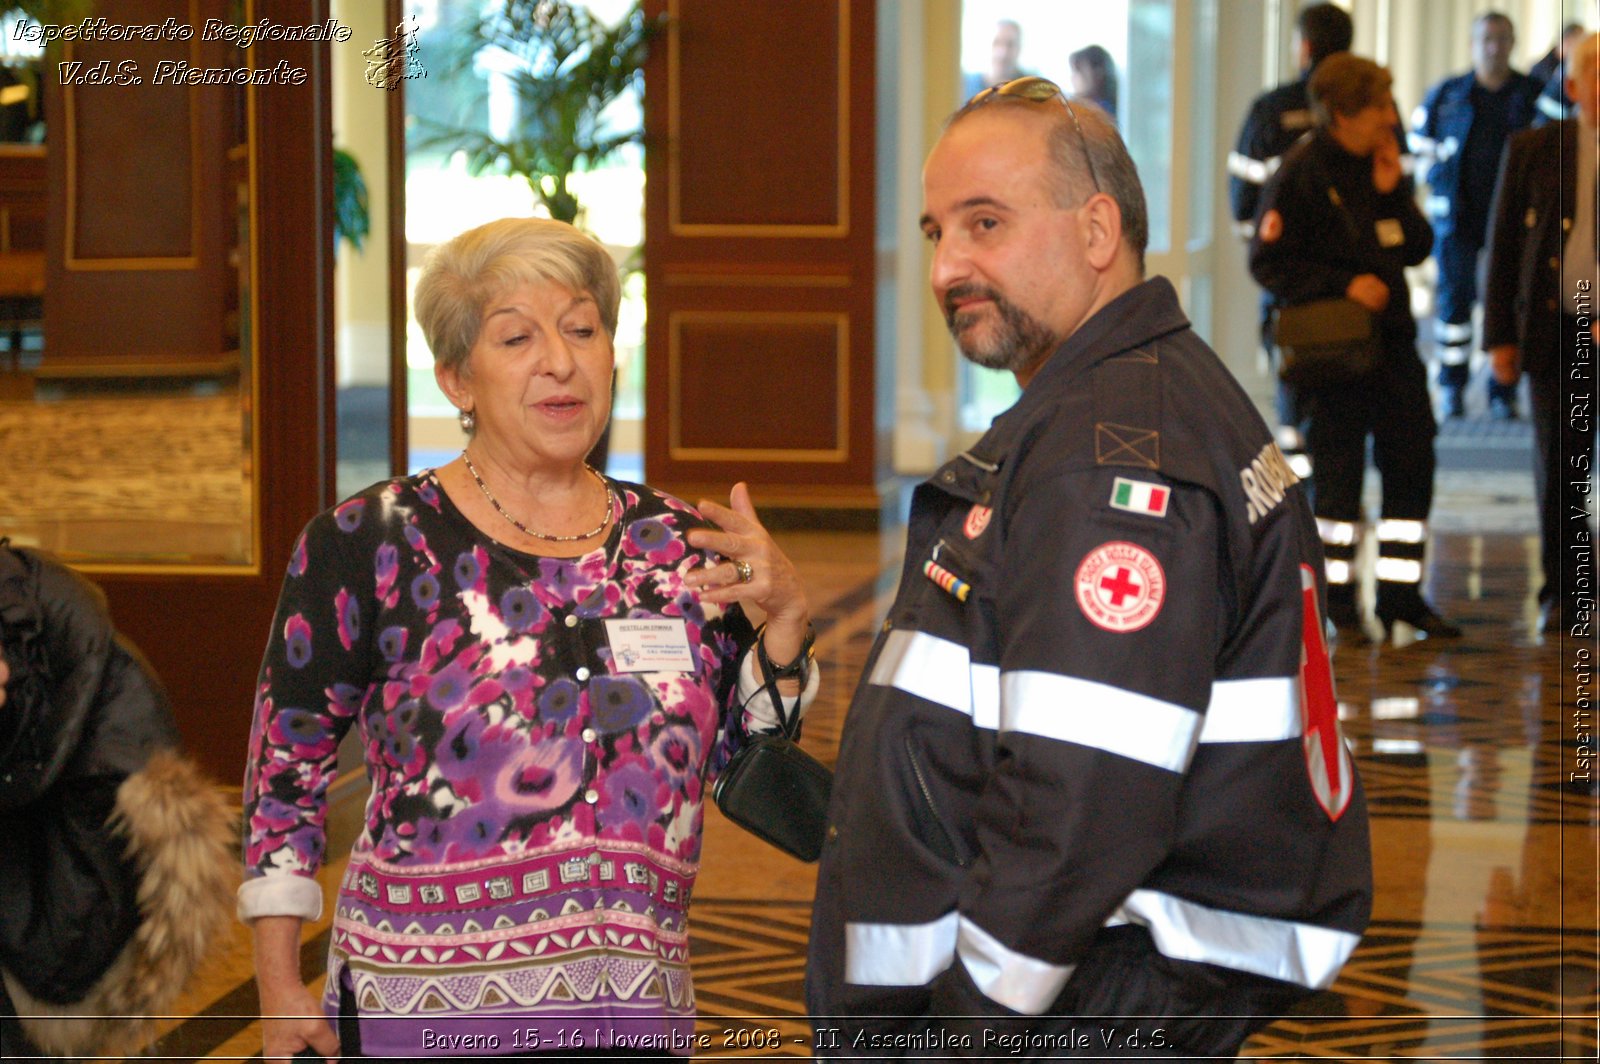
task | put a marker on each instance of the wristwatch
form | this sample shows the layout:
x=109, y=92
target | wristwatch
x=794, y=670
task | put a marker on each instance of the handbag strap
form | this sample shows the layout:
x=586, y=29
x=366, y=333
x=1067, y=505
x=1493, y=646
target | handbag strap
x=788, y=719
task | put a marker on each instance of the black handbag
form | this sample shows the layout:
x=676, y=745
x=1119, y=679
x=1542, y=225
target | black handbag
x=775, y=790
x=1328, y=342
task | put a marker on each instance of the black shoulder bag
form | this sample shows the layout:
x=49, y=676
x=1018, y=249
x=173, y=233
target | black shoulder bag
x=772, y=788
x=1326, y=342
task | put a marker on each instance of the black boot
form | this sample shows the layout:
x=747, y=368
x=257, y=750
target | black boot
x=1453, y=390
x=1345, y=613
x=1404, y=602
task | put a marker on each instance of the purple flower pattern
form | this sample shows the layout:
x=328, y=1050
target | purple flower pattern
x=481, y=738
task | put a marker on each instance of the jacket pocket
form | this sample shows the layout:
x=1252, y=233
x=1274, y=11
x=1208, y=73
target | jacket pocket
x=933, y=829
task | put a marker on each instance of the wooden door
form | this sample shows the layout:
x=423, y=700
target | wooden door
x=759, y=259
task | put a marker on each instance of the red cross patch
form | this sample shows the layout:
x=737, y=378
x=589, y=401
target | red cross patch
x=977, y=521
x=1120, y=586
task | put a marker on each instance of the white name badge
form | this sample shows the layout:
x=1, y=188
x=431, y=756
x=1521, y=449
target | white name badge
x=644, y=645
x=1391, y=234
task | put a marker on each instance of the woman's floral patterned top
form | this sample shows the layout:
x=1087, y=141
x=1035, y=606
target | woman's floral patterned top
x=533, y=829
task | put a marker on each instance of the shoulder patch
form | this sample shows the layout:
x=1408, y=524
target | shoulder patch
x=1140, y=497
x=1120, y=586
x=1126, y=445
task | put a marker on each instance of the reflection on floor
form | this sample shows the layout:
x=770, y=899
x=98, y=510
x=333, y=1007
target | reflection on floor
x=1484, y=938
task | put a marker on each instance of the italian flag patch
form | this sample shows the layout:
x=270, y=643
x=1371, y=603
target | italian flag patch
x=1138, y=497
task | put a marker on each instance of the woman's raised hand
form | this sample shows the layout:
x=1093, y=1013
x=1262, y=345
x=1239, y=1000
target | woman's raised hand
x=752, y=569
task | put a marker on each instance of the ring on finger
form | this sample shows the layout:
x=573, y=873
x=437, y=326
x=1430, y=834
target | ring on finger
x=746, y=574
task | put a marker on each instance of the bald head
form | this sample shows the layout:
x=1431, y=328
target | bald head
x=1086, y=154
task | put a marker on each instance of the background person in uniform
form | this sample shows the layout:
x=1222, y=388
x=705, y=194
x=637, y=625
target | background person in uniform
x=1540, y=279
x=1277, y=119
x=547, y=668
x=1458, y=134
x=1338, y=220
x=1094, y=77
x=1005, y=55
x=1073, y=791
x=1551, y=72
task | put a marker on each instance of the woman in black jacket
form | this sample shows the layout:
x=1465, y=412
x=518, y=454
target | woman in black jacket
x=117, y=850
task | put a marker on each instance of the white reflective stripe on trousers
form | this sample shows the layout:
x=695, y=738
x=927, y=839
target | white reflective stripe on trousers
x=1019, y=982
x=940, y=671
x=1099, y=716
x=1304, y=954
x=1253, y=711
x=1399, y=570
x=899, y=954
x=1336, y=533
x=1398, y=530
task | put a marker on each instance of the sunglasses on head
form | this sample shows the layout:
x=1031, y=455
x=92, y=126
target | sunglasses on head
x=1039, y=90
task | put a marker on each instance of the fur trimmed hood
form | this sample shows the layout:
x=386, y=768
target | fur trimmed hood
x=181, y=835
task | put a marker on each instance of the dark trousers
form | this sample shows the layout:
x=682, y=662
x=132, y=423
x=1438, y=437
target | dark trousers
x=1457, y=256
x=1392, y=407
x=1563, y=458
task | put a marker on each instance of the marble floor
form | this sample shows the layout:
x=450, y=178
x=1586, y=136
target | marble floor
x=1477, y=756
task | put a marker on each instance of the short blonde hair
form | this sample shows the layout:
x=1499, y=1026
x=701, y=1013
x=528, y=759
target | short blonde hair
x=463, y=274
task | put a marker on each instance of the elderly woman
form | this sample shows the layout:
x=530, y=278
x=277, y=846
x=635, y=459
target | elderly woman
x=546, y=666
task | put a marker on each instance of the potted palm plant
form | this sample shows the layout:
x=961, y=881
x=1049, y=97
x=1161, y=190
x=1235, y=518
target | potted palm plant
x=565, y=68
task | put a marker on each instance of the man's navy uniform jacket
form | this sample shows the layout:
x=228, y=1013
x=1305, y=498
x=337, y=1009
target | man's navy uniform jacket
x=1439, y=131
x=1101, y=701
x=1277, y=119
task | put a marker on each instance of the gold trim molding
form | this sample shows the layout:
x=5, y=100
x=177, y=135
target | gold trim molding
x=677, y=452
x=678, y=227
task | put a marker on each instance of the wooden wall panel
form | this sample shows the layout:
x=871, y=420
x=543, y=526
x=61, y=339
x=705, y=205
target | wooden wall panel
x=759, y=258
x=140, y=225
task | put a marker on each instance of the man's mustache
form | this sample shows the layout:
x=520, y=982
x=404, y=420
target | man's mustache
x=969, y=291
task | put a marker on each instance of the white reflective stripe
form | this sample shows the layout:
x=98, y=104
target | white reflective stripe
x=1454, y=354
x=1420, y=144
x=1262, y=710
x=1396, y=530
x=1288, y=437
x=1447, y=333
x=1255, y=171
x=1304, y=954
x=1552, y=107
x=986, y=696
x=940, y=671
x=1019, y=982
x=1339, y=571
x=899, y=954
x=1300, y=462
x=1437, y=206
x=1336, y=533
x=1399, y=570
x=1100, y=716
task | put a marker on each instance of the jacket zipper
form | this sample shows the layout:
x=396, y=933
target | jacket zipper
x=953, y=851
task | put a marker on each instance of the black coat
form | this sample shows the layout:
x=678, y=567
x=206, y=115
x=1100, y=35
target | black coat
x=116, y=872
x=1534, y=201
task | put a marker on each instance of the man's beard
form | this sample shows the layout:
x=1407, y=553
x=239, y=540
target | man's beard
x=1018, y=339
